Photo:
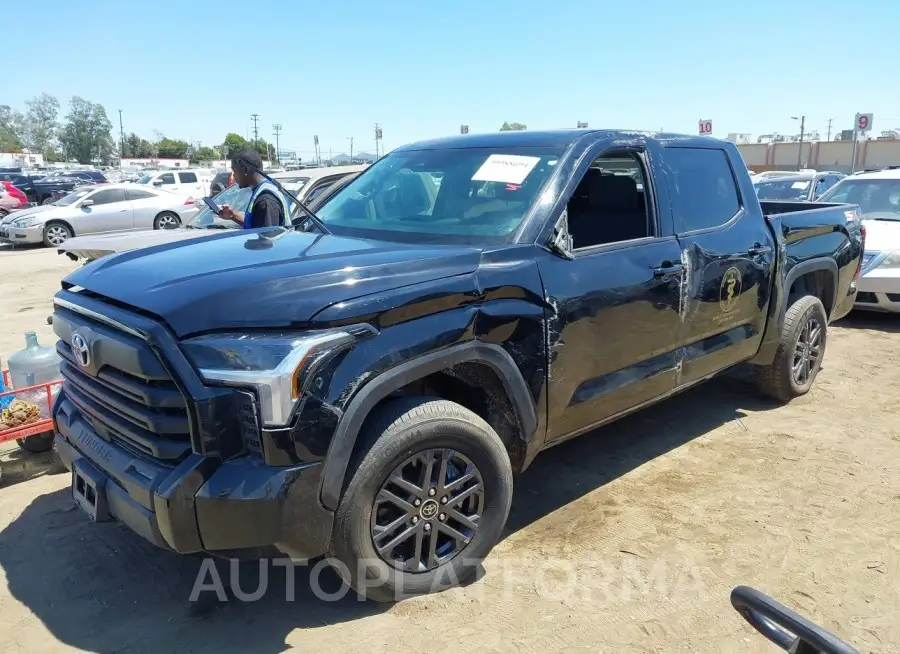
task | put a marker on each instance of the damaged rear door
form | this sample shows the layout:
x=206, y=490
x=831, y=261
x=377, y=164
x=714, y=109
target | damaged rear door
x=613, y=328
x=728, y=253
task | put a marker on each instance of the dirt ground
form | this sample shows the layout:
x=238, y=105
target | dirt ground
x=625, y=540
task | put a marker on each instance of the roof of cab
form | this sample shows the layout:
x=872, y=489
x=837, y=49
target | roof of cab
x=558, y=138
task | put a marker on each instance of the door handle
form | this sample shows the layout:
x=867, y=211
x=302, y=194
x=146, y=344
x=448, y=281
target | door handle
x=667, y=270
x=759, y=249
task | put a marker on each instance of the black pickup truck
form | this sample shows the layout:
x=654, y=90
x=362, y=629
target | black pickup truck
x=366, y=386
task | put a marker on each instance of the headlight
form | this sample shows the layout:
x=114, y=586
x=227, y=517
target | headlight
x=277, y=365
x=24, y=222
x=891, y=261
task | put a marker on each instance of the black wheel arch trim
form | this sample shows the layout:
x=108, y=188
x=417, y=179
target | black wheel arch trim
x=767, y=349
x=342, y=444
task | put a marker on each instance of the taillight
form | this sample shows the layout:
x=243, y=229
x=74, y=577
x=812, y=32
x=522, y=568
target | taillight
x=15, y=192
x=190, y=201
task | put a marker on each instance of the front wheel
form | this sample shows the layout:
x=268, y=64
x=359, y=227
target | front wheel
x=800, y=353
x=37, y=443
x=167, y=220
x=55, y=234
x=427, y=502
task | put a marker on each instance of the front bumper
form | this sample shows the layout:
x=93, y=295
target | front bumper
x=201, y=504
x=22, y=235
x=879, y=290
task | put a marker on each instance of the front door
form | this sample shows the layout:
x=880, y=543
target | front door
x=613, y=327
x=110, y=211
x=729, y=256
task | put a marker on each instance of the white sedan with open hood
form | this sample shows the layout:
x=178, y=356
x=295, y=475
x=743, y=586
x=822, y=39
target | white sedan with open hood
x=101, y=209
x=878, y=197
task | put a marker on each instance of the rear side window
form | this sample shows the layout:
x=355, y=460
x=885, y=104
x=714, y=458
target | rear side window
x=187, y=178
x=138, y=194
x=701, y=187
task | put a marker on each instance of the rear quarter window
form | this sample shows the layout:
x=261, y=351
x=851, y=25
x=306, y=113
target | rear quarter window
x=701, y=186
x=187, y=178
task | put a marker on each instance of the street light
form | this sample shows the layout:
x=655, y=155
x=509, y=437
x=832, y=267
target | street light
x=802, y=120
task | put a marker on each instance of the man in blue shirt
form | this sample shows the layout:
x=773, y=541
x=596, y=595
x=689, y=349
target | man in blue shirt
x=267, y=206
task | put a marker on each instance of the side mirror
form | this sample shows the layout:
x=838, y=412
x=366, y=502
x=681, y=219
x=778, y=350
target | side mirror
x=157, y=182
x=87, y=203
x=790, y=631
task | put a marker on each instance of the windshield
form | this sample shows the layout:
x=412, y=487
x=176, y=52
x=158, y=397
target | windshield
x=483, y=195
x=877, y=198
x=71, y=198
x=234, y=196
x=783, y=190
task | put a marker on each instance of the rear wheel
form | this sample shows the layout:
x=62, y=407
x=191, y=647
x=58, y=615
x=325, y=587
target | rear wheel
x=3, y=213
x=55, y=234
x=800, y=353
x=428, y=500
x=166, y=220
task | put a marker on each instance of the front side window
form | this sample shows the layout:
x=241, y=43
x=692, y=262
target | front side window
x=71, y=198
x=483, y=196
x=701, y=186
x=167, y=178
x=108, y=196
x=878, y=199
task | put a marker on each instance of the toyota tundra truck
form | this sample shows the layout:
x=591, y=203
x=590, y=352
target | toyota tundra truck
x=366, y=385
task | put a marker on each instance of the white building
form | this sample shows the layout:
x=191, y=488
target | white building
x=20, y=160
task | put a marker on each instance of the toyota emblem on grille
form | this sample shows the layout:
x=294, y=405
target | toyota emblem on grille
x=80, y=350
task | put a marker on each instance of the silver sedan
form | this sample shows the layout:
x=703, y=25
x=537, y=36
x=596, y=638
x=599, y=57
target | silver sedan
x=100, y=209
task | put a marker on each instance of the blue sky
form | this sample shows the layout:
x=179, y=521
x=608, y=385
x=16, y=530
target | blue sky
x=423, y=68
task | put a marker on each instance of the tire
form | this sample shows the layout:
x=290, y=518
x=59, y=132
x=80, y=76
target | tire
x=47, y=200
x=396, y=434
x=167, y=220
x=36, y=444
x=55, y=234
x=3, y=213
x=779, y=380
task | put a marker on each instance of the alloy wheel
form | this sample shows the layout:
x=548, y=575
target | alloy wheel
x=808, y=352
x=57, y=235
x=428, y=510
x=167, y=222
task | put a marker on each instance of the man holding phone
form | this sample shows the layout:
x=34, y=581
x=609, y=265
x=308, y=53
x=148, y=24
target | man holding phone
x=267, y=206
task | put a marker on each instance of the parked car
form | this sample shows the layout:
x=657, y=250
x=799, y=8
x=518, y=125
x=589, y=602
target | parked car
x=221, y=181
x=368, y=386
x=878, y=197
x=193, y=182
x=800, y=187
x=770, y=174
x=11, y=199
x=24, y=182
x=98, y=209
x=306, y=187
x=52, y=187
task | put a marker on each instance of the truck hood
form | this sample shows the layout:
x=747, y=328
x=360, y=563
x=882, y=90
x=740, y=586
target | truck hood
x=882, y=235
x=94, y=247
x=240, y=280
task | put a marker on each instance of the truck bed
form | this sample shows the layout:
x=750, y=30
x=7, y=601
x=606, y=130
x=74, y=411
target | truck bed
x=779, y=207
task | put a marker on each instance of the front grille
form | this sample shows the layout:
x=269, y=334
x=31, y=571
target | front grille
x=124, y=392
x=866, y=298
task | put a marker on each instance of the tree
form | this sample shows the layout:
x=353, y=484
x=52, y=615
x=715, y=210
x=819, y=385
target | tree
x=204, y=154
x=52, y=155
x=513, y=127
x=234, y=143
x=40, y=122
x=87, y=132
x=10, y=122
x=172, y=148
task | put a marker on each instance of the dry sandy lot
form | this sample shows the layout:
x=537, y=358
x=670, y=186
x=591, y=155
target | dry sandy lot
x=625, y=540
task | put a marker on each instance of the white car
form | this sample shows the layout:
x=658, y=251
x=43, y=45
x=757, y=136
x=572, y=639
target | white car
x=878, y=197
x=100, y=209
x=194, y=181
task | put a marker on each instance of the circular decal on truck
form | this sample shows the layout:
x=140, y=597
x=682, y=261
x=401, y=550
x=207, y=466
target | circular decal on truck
x=730, y=289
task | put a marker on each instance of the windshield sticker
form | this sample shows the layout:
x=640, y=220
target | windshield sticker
x=799, y=184
x=505, y=168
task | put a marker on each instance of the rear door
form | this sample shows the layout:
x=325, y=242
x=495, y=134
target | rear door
x=728, y=252
x=189, y=184
x=110, y=211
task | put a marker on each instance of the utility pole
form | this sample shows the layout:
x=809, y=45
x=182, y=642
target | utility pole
x=377, y=139
x=316, y=151
x=350, y=138
x=122, y=144
x=802, y=120
x=255, y=119
x=828, y=138
x=276, y=132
